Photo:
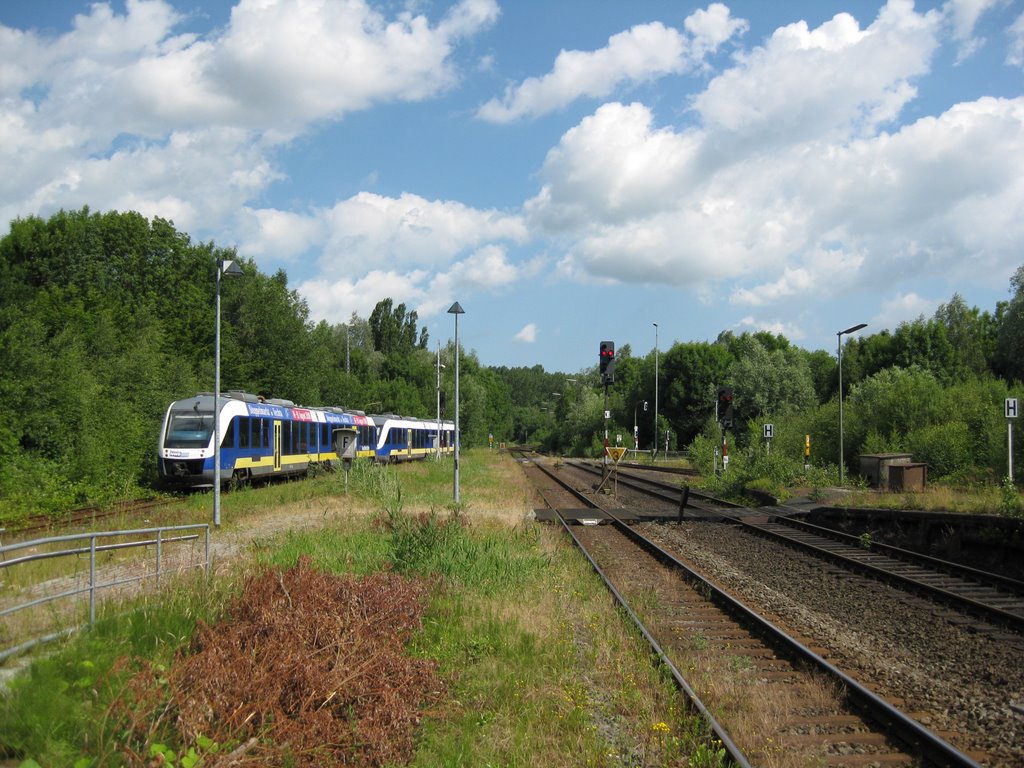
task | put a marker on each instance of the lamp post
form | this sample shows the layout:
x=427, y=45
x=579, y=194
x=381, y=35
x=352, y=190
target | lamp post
x=229, y=267
x=654, y=451
x=636, y=433
x=576, y=382
x=456, y=310
x=439, y=367
x=839, y=346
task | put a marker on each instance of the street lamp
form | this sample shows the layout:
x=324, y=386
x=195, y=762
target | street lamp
x=456, y=310
x=654, y=451
x=839, y=346
x=230, y=268
x=439, y=367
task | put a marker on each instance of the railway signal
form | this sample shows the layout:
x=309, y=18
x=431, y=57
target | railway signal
x=607, y=362
x=725, y=407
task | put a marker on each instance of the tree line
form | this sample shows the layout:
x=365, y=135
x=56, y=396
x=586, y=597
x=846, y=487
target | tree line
x=105, y=318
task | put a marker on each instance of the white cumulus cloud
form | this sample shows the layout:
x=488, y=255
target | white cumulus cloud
x=643, y=52
x=120, y=88
x=358, y=233
x=527, y=334
x=798, y=182
x=1015, y=52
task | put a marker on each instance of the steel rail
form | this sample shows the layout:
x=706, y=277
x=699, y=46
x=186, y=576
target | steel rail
x=908, y=730
x=916, y=737
x=86, y=550
x=979, y=608
x=94, y=585
x=940, y=594
x=661, y=490
x=733, y=750
x=996, y=580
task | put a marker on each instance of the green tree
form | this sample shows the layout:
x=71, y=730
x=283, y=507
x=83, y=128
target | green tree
x=394, y=329
x=972, y=334
x=773, y=379
x=1009, y=352
x=690, y=375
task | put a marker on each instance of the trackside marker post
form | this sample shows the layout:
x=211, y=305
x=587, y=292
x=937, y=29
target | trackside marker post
x=1010, y=411
x=682, y=501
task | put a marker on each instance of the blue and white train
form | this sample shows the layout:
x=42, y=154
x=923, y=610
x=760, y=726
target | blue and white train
x=275, y=438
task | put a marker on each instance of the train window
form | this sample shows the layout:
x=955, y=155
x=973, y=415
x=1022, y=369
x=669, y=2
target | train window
x=189, y=430
x=229, y=435
x=243, y=432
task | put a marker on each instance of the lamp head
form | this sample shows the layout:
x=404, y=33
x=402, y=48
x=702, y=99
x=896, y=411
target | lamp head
x=231, y=268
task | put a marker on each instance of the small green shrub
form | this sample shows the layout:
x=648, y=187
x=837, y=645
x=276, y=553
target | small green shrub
x=1011, y=504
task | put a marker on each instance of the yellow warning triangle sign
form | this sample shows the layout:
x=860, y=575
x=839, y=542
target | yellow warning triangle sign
x=616, y=453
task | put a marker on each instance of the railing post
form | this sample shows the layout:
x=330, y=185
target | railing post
x=93, y=586
x=159, y=545
x=92, y=580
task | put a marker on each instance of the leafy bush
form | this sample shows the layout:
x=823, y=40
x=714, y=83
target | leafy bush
x=946, y=448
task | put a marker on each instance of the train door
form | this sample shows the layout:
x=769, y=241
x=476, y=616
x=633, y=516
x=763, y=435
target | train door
x=408, y=442
x=277, y=446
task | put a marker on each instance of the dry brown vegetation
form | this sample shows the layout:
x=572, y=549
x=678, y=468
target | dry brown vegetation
x=306, y=669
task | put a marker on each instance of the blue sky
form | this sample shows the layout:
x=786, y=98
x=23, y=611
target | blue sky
x=568, y=170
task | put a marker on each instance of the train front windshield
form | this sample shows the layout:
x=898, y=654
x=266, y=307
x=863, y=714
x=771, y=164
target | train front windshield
x=189, y=430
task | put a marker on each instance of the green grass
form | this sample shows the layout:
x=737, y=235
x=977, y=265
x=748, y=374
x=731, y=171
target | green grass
x=541, y=668
x=56, y=712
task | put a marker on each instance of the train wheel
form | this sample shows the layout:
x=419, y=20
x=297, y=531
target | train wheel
x=239, y=479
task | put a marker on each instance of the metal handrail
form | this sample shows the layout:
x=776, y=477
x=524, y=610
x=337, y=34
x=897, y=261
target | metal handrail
x=155, y=537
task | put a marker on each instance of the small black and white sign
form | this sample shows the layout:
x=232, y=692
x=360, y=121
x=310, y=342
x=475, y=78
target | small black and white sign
x=1011, y=407
x=769, y=430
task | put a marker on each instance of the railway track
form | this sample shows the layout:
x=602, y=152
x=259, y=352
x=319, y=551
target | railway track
x=86, y=516
x=816, y=713
x=990, y=597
